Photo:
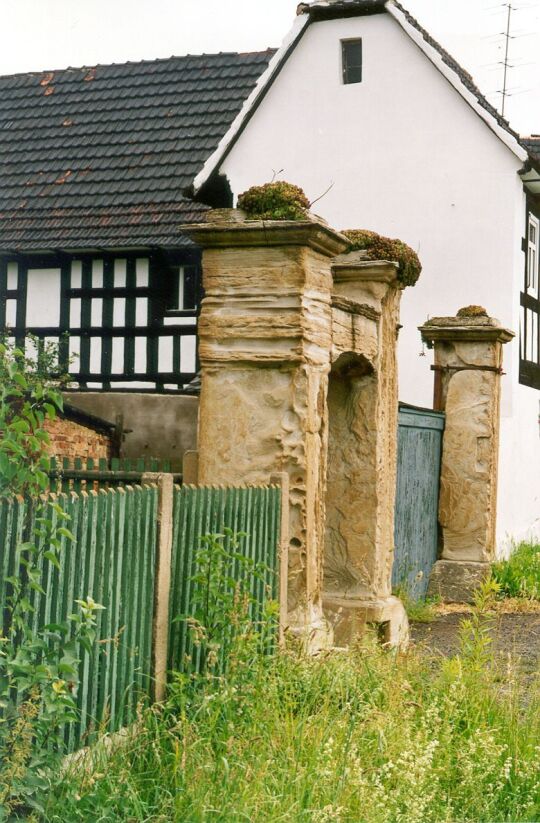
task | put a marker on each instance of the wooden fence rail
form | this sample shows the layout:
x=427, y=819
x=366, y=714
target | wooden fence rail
x=135, y=554
x=88, y=474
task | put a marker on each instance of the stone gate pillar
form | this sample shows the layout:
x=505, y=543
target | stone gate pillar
x=265, y=333
x=362, y=460
x=468, y=369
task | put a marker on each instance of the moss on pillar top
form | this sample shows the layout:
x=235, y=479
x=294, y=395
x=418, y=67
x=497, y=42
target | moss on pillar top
x=472, y=311
x=378, y=247
x=274, y=201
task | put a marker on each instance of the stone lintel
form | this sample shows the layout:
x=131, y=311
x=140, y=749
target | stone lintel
x=238, y=232
x=353, y=307
x=353, y=268
x=465, y=329
x=456, y=581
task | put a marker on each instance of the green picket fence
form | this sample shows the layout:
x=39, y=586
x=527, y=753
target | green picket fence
x=90, y=474
x=114, y=559
x=253, y=511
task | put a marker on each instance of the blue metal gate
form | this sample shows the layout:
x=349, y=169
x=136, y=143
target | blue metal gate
x=420, y=434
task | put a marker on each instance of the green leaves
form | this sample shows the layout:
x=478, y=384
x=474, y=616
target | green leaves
x=39, y=663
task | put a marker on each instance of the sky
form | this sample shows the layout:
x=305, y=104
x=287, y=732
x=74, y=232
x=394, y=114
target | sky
x=49, y=34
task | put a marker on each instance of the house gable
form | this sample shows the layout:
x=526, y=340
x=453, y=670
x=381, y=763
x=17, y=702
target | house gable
x=325, y=10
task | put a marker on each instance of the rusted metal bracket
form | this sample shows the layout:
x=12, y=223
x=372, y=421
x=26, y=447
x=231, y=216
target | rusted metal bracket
x=438, y=388
x=496, y=369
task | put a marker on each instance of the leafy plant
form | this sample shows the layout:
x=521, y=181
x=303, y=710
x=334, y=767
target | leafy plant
x=224, y=610
x=378, y=247
x=475, y=632
x=275, y=201
x=38, y=663
x=519, y=576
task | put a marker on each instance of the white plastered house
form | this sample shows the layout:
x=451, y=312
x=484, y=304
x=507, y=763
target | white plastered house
x=361, y=103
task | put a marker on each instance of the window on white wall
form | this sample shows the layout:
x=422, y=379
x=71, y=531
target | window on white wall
x=351, y=59
x=43, y=297
x=529, y=327
x=532, y=255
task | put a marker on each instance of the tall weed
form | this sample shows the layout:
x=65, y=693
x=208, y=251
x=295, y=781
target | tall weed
x=519, y=576
x=363, y=736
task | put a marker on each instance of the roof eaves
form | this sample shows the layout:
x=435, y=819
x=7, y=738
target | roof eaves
x=252, y=102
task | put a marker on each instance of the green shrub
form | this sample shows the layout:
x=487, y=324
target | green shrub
x=378, y=247
x=38, y=660
x=519, y=576
x=275, y=201
x=472, y=311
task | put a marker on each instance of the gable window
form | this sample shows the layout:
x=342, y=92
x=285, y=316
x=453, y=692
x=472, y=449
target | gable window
x=351, y=59
x=529, y=364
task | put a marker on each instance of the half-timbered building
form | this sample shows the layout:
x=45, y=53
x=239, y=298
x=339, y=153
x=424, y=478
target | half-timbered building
x=96, y=169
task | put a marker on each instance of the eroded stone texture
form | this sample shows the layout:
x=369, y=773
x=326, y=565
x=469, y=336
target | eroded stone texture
x=265, y=337
x=298, y=375
x=468, y=365
x=363, y=408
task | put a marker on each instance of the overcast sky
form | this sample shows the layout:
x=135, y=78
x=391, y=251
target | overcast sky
x=50, y=34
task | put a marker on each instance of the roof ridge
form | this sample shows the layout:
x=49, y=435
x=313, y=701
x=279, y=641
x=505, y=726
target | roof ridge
x=150, y=61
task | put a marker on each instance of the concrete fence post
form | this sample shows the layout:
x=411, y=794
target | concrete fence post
x=468, y=369
x=160, y=626
x=281, y=479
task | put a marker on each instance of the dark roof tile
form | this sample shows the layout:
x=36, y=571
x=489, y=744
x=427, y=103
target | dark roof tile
x=101, y=155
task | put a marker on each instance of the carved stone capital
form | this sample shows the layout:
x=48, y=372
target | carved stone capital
x=465, y=329
x=229, y=228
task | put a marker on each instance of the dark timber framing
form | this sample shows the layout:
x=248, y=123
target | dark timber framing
x=135, y=298
x=529, y=360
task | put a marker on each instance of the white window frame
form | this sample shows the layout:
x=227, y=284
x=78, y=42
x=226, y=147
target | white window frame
x=533, y=247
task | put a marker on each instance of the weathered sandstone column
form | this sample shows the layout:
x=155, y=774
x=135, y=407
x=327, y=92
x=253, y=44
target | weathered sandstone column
x=363, y=409
x=264, y=344
x=468, y=368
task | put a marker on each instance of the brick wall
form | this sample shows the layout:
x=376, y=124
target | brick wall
x=71, y=439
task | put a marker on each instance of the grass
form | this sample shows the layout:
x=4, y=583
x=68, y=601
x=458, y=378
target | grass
x=519, y=576
x=421, y=610
x=364, y=736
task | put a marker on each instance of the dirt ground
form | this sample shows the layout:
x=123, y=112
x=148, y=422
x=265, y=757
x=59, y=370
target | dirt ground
x=514, y=633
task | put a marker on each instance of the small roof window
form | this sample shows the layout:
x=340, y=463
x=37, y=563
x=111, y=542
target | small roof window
x=351, y=57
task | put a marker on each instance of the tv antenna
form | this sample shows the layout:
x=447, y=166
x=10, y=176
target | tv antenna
x=506, y=63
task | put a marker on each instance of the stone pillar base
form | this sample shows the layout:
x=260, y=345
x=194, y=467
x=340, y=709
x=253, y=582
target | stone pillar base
x=455, y=581
x=351, y=617
x=313, y=631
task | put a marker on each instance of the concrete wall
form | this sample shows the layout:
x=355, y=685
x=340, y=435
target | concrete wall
x=163, y=426
x=408, y=157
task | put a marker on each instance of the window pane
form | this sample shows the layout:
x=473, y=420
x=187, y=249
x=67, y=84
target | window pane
x=352, y=61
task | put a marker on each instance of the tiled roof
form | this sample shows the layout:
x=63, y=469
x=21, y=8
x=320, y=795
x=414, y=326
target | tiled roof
x=103, y=156
x=532, y=144
x=334, y=8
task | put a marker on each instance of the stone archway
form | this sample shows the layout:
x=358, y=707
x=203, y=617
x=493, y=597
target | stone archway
x=350, y=387
x=298, y=367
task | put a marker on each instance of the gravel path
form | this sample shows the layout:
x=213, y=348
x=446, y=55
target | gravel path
x=515, y=634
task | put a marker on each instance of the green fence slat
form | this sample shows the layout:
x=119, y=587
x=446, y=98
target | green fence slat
x=113, y=560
